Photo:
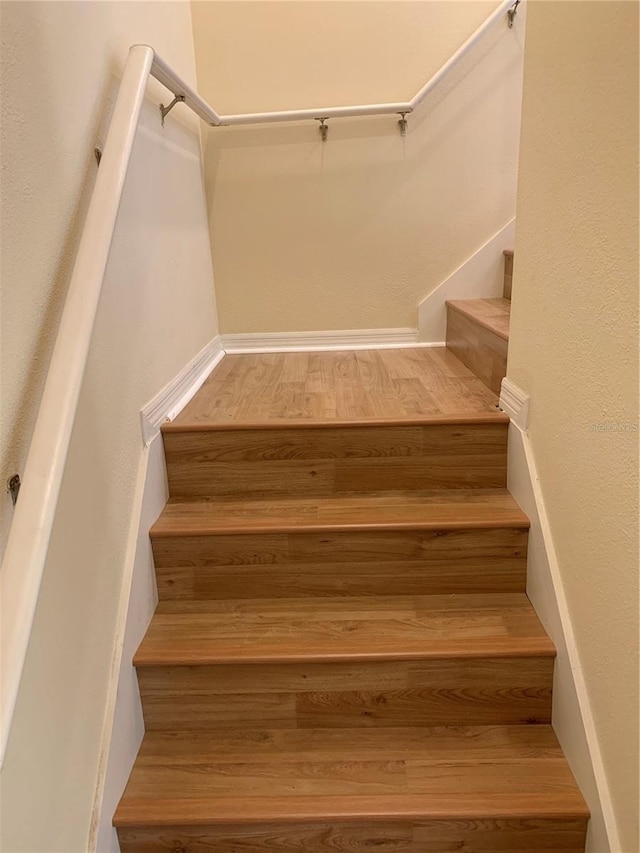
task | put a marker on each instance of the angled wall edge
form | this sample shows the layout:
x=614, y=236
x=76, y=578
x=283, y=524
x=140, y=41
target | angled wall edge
x=479, y=277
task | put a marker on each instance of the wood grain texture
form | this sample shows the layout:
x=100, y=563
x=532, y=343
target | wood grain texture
x=290, y=565
x=326, y=629
x=410, y=510
x=348, y=694
x=367, y=386
x=492, y=314
x=471, y=835
x=483, y=351
x=326, y=461
x=325, y=762
x=384, y=774
x=343, y=657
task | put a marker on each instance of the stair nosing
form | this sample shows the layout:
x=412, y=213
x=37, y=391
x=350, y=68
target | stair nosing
x=328, y=809
x=544, y=650
x=335, y=527
x=497, y=417
x=209, y=526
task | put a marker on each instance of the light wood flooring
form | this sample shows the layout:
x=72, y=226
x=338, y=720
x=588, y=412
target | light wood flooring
x=367, y=386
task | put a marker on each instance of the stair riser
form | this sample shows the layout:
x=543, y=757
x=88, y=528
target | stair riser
x=479, y=349
x=393, y=836
x=332, y=461
x=375, y=562
x=456, y=691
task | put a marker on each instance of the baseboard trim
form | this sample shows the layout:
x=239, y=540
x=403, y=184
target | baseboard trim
x=515, y=403
x=572, y=717
x=346, y=339
x=177, y=393
x=123, y=726
x=481, y=276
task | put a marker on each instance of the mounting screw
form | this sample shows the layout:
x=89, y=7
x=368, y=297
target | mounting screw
x=13, y=487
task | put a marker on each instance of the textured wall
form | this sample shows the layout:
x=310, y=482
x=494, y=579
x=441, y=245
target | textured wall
x=574, y=342
x=352, y=233
x=61, y=64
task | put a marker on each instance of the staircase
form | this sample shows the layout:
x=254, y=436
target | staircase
x=478, y=331
x=344, y=657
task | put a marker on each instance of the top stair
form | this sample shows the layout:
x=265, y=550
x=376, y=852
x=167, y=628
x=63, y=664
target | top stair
x=354, y=422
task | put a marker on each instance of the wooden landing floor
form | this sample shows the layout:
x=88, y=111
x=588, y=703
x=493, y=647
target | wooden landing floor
x=362, y=386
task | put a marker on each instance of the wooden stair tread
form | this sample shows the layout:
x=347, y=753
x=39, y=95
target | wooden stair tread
x=344, y=774
x=343, y=629
x=491, y=314
x=418, y=510
x=412, y=385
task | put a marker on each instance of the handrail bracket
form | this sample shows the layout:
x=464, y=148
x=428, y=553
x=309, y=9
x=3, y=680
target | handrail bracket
x=13, y=487
x=164, y=111
x=512, y=12
x=324, y=128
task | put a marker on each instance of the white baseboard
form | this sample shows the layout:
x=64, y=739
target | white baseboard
x=571, y=717
x=123, y=725
x=346, y=339
x=177, y=393
x=481, y=276
x=515, y=403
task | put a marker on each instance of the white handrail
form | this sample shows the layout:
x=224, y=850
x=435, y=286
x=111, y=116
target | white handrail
x=30, y=531
x=167, y=76
x=375, y=109
x=497, y=14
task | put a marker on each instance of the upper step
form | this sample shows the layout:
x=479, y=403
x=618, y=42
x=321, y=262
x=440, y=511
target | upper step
x=415, y=510
x=238, y=781
x=491, y=314
x=478, y=335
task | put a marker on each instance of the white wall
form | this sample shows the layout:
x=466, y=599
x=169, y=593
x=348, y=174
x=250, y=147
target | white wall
x=61, y=63
x=124, y=726
x=352, y=233
x=574, y=344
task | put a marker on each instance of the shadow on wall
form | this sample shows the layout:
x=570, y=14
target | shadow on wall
x=35, y=276
x=353, y=233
